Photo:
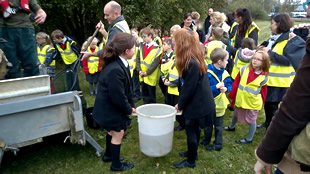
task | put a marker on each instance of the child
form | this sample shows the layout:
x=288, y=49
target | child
x=217, y=35
x=148, y=58
x=114, y=103
x=46, y=52
x=69, y=52
x=249, y=92
x=243, y=55
x=91, y=66
x=168, y=53
x=220, y=83
x=157, y=38
x=195, y=99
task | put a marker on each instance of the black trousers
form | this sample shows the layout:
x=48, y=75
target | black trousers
x=193, y=135
x=218, y=128
x=148, y=93
x=136, y=85
x=270, y=109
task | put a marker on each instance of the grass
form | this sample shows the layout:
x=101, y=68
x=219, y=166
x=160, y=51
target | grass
x=54, y=156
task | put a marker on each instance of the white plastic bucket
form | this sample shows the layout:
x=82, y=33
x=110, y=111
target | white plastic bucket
x=156, y=123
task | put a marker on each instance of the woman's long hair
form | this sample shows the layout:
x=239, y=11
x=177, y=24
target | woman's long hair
x=246, y=19
x=119, y=44
x=187, y=47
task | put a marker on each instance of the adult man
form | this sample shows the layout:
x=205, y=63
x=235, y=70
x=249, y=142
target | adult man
x=207, y=20
x=112, y=13
x=16, y=27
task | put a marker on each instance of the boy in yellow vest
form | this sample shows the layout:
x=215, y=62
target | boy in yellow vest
x=69, y=52
x=217, y=34
x=148, y=59
x=220, y=83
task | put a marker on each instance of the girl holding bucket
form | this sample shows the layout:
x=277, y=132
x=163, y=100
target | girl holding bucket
x=114, y=103
x=195, y=99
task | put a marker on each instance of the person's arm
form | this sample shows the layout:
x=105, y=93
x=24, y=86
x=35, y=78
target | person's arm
x=225, y=39
x=214, y=89
x=112, y=32
x=233, y=93
x=190, y=76
x=40, y=14
x=117, y=91
x=232, y=50
x=50, y=56
x=138, y=62
x=228, y=84
x=278, y=59
x=174, y=83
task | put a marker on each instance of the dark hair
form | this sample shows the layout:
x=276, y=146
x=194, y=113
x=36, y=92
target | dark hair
x=284, y=23
x=119, y=44
x=248, y=43
x=169, y=42
x=218, y=54
x=230, y=18
x=246, y=19
x=186, y=15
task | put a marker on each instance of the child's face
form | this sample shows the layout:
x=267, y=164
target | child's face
x=57, y=40
x=40, y=40
x=257, y=61
x=130, y=52
x=223, y=63
x=166, y=46
x=93, y=44
x=147, y=38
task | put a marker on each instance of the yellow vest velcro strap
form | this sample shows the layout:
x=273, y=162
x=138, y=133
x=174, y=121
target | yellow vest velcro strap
x=130, y=67
x=43, y=55
x=174, y=76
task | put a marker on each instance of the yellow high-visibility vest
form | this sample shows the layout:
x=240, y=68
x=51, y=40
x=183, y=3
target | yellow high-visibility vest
x=252, y=27
x=93, y=62
x=67, y=55
x=279, y=75
x=233, y=26
x=221, y=101
x=132, y=62
x=173, y=75
x=150, y=79
x=121, y=25
x=211, y=46
x=248, y=95
x=42, y=54
x=237, y=65
x=165, y=67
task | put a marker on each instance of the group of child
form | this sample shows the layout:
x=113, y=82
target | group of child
x=154, y=63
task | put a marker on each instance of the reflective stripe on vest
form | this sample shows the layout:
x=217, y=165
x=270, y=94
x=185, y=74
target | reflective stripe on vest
x=93, y=62
x=279, y=75
x=211, y=46
x=152, y=78
x=248, y=95
x=237, y=65
x=132, y=62
x=252, y=27
x=221, y=100
x=67, y=55
x=121, y=25
x=166, y=67
x=42, y=54
x=173, y=75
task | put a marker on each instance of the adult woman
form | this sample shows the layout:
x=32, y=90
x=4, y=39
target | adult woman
x=281, y=73
x=246, y=28
x=114, y=103
x=195, y=99
x=217, y=19
x=188, y=22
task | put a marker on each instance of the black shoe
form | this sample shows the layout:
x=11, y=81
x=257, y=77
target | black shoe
x=124, y=167
x=109, y=159
x=265, y=125
x=183, y=164
x=204, y=143
x=179, y=128
x=227, y=128
x=184, y=154
x=212, y=148
x=243, y=141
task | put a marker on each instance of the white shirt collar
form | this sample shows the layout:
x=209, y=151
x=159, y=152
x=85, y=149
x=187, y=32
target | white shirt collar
x=64, y=41
x=150, y=44
x=124, y=61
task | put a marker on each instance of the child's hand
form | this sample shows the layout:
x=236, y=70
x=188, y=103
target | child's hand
x=223, y=89
x=141, y=73
x=220, y=85
x=163, y=80
x=167, y=82
x=133, y=110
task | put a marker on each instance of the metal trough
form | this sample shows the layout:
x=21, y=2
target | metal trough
x=26, y=121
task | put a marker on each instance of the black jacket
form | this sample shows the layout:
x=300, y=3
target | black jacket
x=196, y=99
x=113, y=103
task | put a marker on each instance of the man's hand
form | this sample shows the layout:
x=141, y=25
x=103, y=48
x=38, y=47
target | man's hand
x=86, y=55
x=258, y=168
x=40, y=16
